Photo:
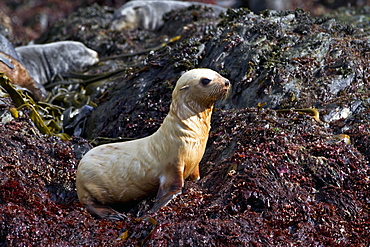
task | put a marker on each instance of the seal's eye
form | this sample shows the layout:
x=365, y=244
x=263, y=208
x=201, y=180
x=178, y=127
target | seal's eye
x=205, y=81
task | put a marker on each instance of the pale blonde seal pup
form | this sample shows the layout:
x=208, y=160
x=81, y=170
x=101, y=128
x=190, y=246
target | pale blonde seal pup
x=133, y=170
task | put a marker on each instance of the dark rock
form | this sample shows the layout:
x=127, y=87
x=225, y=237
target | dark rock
x=152, y=85
x=284, y=59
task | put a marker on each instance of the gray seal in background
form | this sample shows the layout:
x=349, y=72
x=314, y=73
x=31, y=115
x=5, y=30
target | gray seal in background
x=45, y=62
x=148, y=15
x=260, y=5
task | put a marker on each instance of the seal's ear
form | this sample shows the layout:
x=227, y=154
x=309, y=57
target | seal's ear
x=184, y=87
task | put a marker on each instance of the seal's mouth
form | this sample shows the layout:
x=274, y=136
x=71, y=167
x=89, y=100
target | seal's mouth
x=221, y=93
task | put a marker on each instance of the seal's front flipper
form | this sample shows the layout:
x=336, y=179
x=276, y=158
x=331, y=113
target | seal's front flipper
x=103, y=211
x=170, y=186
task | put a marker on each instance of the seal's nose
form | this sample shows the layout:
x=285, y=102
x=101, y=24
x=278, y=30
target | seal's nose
x=227, y=83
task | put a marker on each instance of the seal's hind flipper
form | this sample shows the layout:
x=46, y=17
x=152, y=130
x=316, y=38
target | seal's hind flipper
x=103, y=211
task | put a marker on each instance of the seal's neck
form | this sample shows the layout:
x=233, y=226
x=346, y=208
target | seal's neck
x=191, y=116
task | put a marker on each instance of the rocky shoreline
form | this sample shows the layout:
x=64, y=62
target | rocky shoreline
x=287, y=161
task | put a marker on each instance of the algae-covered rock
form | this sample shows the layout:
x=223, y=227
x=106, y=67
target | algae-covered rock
x=121, y=114
x=288, y=59
x=281, y=59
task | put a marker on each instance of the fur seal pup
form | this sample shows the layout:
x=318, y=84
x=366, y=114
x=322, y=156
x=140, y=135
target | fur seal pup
x=11, y=66
x=45, y=62
x=19, y=76
x=147, y=15
x=132, y=170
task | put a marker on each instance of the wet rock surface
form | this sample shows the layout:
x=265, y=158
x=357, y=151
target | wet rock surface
x=270, y=175
x=287, y=59
x=284, y=59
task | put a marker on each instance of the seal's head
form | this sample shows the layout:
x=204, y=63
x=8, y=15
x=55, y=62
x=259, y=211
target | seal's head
x=202, y=86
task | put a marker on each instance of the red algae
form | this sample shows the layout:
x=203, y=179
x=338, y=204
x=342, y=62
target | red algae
x=282, y=182
x=38, y=201
x=266, y=179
